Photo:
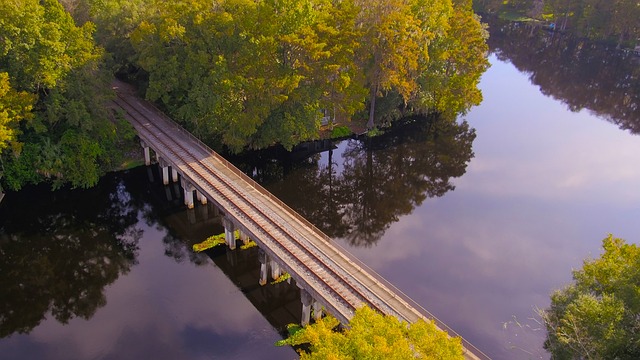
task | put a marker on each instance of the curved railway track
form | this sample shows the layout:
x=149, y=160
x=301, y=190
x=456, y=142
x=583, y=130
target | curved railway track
x=325, y=269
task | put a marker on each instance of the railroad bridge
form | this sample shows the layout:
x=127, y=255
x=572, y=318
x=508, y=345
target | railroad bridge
x=328, y=277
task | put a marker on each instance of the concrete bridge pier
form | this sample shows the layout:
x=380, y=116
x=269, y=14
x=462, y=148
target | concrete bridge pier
x=174, y=174
x=201, y=198
x=165, y=170
x=229, y=235
x=264, y=266
x=317, y=310
x=147, y=155
x=188, y=194
x=276, y=271
x=165, y=174
x=307, y=300
x=244, y=237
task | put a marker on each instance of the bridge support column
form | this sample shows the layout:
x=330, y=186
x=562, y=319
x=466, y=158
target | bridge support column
x=306, y=299
x=264, y=266
x=229, y=235
x=188, y=194
x=174, y=174
x=165, y=175
x=244, y=237
x=317, y=310
x=147, y=155
x=165, y=170
x=275, y=270
x=201, y=198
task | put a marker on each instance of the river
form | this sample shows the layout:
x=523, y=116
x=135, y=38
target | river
x=478, y=221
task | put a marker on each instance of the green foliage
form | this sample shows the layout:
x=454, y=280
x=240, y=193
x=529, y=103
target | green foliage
x=15, y=106
x=371, y=335
x=596, y=317
x=213, y=241
x=340, y=132
x=255, y=73
x=282, y=278
x=248, y=245
x=457, y=60
x=54, y=79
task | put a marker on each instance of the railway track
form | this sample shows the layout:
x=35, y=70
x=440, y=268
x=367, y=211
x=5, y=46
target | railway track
x=325, y=269
x=307, y=255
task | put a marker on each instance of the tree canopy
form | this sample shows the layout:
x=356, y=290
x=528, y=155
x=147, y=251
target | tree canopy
x=371, y=335
x=254, y=73
x=240, y=74
x=54, y=125
x=596, y=317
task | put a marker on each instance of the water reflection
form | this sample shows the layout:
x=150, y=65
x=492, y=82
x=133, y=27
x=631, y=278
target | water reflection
x=358, y=190
x=581, y=74
x=109, y=273
x=60, y=259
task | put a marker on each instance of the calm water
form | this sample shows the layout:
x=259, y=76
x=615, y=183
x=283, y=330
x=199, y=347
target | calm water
x=477, y=223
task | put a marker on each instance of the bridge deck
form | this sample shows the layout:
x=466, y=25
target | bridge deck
x=336, y=279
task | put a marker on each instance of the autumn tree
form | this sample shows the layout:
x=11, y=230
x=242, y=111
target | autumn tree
x=596, y=317
x=449, y=83
x=15, y=106
x=371, y=335
x=53, y=78
x=395, y=44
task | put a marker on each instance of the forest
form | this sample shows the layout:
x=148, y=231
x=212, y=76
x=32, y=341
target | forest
x=613, y=21
x=239, y=74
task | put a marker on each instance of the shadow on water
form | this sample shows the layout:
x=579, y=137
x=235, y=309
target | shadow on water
x=579, y=73
x=278, y=303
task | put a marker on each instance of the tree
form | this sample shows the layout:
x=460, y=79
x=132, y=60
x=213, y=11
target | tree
x=371, y=335
x=395, y=44
x=457, y=59
x=233, y=69
x=15, y=106
x=54, y=78
x=597, y=316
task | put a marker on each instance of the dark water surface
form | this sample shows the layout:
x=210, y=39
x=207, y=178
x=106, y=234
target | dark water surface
x=477, y=222
x=108, y=273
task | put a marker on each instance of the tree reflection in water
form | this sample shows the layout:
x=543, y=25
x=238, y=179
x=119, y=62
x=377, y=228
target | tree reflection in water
x=60, y=259
x=380, y=179
x=579, y=73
